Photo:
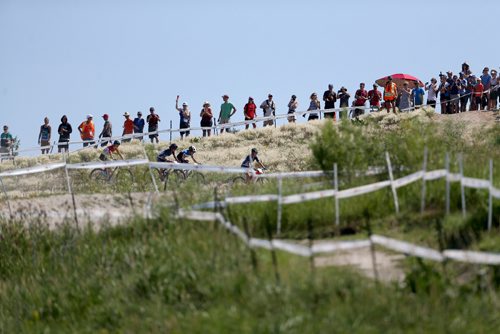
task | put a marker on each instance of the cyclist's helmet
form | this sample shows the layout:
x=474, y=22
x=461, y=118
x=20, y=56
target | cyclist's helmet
x=192, y=149
x=254, y=150
x=173, y=146
x=116, y=142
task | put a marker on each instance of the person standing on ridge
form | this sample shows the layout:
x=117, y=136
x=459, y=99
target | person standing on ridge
x=153, y=120
x=390, y=95
x=6, y=140
x=64, y=130
x=184, y=117
x=128, y=127
x=139, y=124
x=107, y=131
x=375, y=96
x=292, y=107
x=44, y=136
x=313, y=105
x=486, y=81
x=206, y=119
x=433, y=93
x=329, y=97
x=269, y=109
x=250, y=111
x=87, y=131
x=359, y=100
x=226, y=111
x=417, y=94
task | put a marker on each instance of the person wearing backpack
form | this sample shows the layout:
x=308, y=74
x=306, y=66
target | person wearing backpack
x=269, y=109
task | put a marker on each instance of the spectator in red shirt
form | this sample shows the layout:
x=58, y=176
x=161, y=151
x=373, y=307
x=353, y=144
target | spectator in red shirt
x=359, y=100
x=249, y=110
x=478, y=94
x=375, y=96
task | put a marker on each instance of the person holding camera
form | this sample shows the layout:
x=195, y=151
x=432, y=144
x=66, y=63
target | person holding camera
x=329, y=97
x=432, y=94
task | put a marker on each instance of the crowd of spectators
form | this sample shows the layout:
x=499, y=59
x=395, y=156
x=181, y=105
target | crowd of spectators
x=454, y=93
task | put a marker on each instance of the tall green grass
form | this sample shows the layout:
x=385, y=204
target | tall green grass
x=165, y=275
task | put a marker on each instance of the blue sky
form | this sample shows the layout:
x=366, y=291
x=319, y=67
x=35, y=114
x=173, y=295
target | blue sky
x=76, y=57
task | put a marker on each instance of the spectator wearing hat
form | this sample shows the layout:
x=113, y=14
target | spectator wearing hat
x=493, y=90
x=360, y=99
x=250, y=111
x=313, y=105
x=329, y=97
x=139, y=124
x=206, y=119
x=292, y=107
x=64, y=130
x=44, y=136
x=128, y=128
x=390, y=95
x=227, y=110
x=477, y=95
x=432, y=94
x=87, y=131
x=106, y=132
x=486, y=81
x=184, y=117
x=374, y=96
x=269, y=109
x=153, y=120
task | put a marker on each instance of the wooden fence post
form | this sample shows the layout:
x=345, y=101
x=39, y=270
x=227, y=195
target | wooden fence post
x=394, y=191
x=280, y=206
x=424, y=170
x=490, y=198
x=447, y=167
x=462, y=189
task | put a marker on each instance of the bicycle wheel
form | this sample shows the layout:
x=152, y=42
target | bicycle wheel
x=160, y=179
x=196, y=177
x=123, y=179
x=99, y=175
x=176, y=177
x=237, y=180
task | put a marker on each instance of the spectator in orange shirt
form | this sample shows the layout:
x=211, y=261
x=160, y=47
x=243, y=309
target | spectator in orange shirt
x=390, y=95
x=128, y=127
x=87, y=131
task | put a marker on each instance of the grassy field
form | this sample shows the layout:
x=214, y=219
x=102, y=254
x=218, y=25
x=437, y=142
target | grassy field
x=167, y=275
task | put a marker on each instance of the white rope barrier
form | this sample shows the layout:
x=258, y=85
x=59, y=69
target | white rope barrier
x=326, y=247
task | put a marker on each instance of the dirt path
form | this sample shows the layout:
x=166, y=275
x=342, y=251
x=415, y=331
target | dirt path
x=95, y=209
x=388, y=265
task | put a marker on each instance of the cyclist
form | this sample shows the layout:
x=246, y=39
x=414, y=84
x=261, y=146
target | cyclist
x=249, y=160
x=162, y=157
x=183, y=155
x=107, y=154
x=170, y=151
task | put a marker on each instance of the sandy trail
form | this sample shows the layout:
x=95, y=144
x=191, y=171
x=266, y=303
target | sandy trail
x=58, y=209
x=388, y=265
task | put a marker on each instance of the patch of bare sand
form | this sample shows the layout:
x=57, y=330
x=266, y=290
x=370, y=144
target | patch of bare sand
x=96, y=209
x=388, y=265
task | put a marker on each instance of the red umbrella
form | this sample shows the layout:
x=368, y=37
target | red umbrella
x=399, y=79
